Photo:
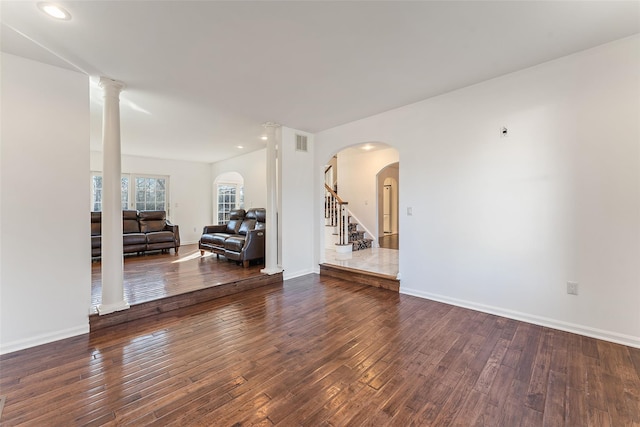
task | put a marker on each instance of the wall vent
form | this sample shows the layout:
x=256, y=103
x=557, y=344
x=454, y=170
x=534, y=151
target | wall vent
x=301, y=143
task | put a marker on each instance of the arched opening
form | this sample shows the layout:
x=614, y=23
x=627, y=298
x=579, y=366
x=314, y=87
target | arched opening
x=228, y=194
x=354, y=179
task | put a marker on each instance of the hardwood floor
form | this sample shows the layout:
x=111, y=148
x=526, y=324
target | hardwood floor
x=389, y=241
x=159, y=275
x=323, y=351
x=160, y=282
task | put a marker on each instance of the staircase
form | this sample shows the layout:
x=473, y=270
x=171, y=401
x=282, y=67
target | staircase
x=357, y=238
x=346, y=228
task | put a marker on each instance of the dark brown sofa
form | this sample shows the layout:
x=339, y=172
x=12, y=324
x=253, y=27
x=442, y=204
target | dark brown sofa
x=242, y=239
x=142, y=231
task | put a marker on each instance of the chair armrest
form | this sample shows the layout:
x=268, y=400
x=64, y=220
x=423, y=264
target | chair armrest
x=254, y=245
x=175, y=230
x=214, y=229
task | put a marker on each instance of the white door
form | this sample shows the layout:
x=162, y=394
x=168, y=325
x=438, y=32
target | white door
x=386, y=209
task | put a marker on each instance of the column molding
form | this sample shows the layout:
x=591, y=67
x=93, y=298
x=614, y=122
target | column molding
x=271, y=245
x=111, y=234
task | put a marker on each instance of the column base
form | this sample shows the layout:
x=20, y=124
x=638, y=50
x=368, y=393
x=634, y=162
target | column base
x=271, y=270
x=344, y=249
x=112, y=308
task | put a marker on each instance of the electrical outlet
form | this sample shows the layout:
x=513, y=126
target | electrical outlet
x=572, y=288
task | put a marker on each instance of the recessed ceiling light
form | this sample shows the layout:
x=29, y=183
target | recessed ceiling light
x=239, y=146
x=264, y=137
x=54, y=11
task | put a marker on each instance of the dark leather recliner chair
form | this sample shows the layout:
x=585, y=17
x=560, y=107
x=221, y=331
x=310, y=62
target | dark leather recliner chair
x=96, y=234
x=242, y=239
x=133, y=240
x=160, y=234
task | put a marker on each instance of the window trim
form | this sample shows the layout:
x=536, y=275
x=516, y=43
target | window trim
x=131, y=202
x=239, y=193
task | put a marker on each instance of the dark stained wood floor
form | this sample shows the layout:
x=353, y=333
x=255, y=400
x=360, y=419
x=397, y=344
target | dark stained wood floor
x=158, y=275
x=389, y=241
x=322, y=351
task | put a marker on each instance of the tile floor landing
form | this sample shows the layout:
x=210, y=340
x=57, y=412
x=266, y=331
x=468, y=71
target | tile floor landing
x=376, y=260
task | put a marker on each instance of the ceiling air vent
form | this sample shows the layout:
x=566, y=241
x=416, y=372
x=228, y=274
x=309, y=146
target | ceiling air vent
x=301, y=143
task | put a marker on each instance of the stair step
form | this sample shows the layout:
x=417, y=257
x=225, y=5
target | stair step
x=358, y=276
x=361, y=244
x=358, y=235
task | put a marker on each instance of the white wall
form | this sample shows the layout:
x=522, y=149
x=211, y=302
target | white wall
x=253, y=168
x=297, y=207
x=190, y=194
x=357, y=182
x=501, y=224
x=45, y=268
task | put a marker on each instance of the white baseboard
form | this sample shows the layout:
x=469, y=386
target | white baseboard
x=286, y=275
x=588, y=331
x=44, y=339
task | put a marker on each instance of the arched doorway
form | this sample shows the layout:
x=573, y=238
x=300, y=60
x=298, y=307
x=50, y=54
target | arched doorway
x=353, y=174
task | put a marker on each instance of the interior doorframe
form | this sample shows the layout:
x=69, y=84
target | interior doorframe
x=391, y=171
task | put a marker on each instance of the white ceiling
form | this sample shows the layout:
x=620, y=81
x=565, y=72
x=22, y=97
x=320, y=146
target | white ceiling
x=203, y=76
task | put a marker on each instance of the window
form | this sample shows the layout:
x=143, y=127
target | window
x=228, y=194
x=124, y=188
x=96, y=192
x=148, y=193
x=226, y=201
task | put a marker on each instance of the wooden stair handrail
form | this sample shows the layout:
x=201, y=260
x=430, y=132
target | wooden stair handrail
x=339, y=217
x=334, y=194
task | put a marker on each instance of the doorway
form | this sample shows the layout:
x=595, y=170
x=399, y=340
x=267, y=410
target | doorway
x=388, y=203
x=356, y=174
